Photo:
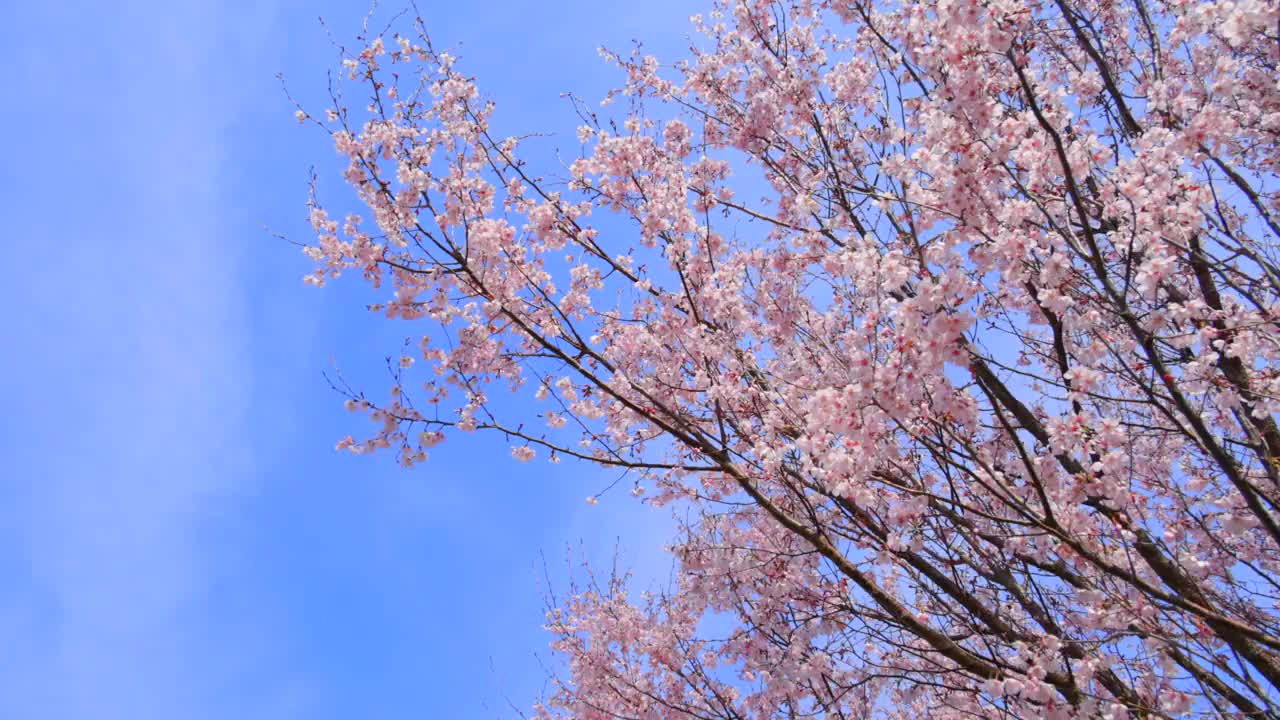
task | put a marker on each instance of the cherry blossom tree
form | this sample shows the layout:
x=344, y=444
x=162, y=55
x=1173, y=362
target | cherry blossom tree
x=952, y=325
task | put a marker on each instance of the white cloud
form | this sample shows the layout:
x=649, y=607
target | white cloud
x=131, y=365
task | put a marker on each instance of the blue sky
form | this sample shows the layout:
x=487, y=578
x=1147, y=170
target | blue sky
x=178, y=538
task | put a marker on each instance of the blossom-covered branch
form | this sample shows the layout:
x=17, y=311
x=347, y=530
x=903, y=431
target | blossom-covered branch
x=976, y=405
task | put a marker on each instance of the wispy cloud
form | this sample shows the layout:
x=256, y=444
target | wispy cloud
x=128, y=358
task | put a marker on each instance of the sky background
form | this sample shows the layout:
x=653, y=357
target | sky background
x=178, y=538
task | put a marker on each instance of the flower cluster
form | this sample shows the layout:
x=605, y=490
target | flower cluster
x=972, y=411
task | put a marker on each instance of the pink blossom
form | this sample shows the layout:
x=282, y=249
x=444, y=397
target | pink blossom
x=949, y=330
